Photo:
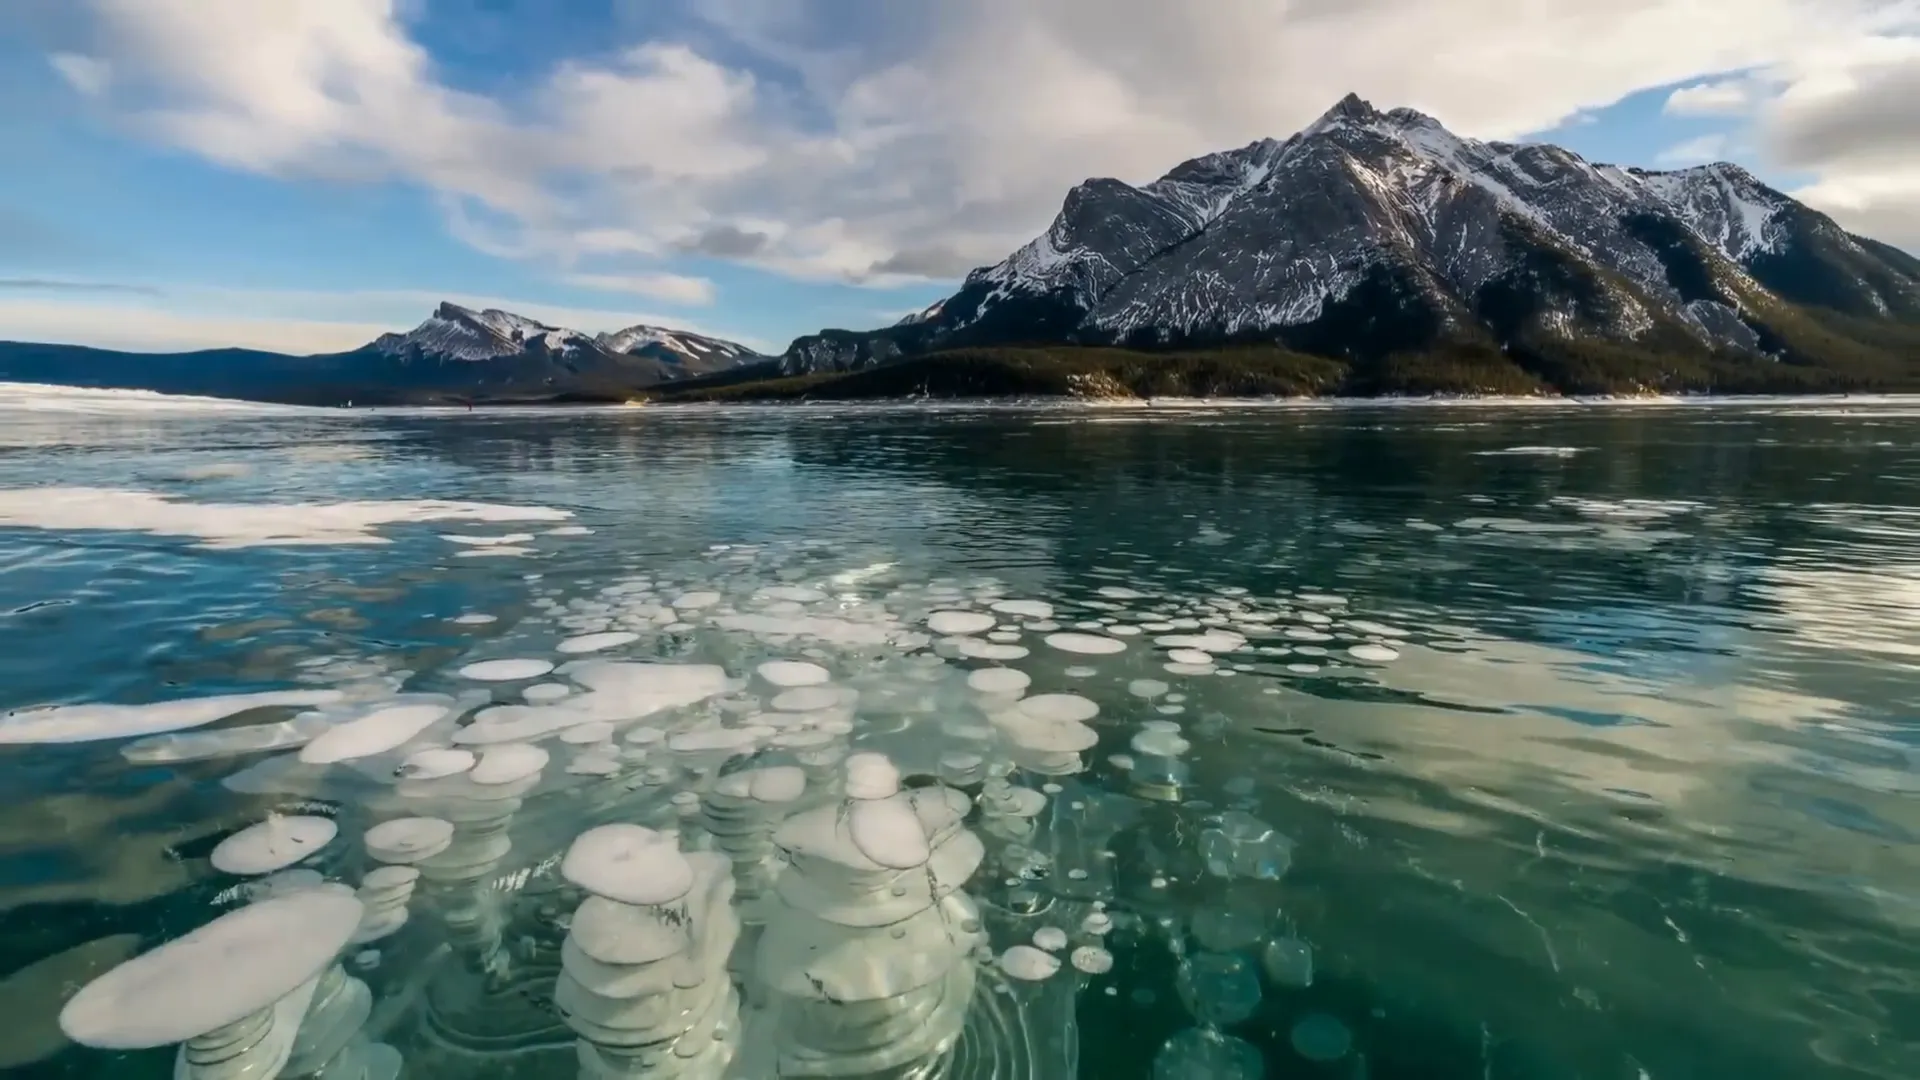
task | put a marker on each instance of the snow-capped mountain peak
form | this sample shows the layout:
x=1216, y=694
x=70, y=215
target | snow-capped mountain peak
x=453, y=332
x=695, y=347
x=1303, y=239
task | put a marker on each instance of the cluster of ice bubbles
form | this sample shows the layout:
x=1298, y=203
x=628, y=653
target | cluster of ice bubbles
x=824, y=829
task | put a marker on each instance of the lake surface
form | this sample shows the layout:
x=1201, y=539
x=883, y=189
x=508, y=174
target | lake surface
x=1500, y=741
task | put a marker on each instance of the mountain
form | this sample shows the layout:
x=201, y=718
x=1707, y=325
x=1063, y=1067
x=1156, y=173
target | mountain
x=457, y=355
x=1385, y=242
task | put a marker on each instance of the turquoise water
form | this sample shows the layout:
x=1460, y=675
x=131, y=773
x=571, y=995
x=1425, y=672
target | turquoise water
x=1630, y=791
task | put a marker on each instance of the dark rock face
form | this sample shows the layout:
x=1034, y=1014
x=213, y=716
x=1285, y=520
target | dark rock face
x=1376, y=232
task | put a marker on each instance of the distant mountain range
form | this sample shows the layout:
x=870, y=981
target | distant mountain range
x=456, y=356
x=1372, y=252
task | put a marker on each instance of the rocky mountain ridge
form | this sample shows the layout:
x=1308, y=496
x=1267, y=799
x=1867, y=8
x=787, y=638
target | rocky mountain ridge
x=1373, y=234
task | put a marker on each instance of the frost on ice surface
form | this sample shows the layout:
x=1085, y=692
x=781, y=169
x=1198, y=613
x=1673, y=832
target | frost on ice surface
x=239, y=525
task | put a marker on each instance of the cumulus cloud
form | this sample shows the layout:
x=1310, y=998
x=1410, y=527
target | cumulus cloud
x=934, y=137
x=1848, y=117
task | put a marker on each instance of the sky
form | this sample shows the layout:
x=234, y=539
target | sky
x=302, y=175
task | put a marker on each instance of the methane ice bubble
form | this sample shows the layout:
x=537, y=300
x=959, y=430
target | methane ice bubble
x=958, y=623
x=792, y=673
x=1373, y=654
x=87, y=723
x=542, y=693
x=989, y=650
x=508, y=670
x=887, y=831
x=1288, y=963
x=508, y=763
x=1207, y=1054
x=587, y=643
x=1190, y=657
x=999, y=680
x=1091, y=959
x=871, y=776
x=216, y=976
x=474, y=618
x=1058, y=708
x=408, y=840
x=1086, y=644
x=273, y=844
x=1319, y=1037
x=1028, y=963
x=694, y=601
x=814, y=698
x=1024, y=609
x=1147, y=688
x=628, y=864
x=1050, y=938
x=375, y=733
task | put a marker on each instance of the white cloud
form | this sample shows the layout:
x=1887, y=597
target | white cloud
x=1848, y=116
x=933, y=137
x=295, y=321
x=1723, y=98
x=1695, y=151
x=86, y=74
x=672, y=288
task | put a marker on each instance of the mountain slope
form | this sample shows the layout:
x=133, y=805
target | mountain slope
x=1372, y=235
x=456, y=356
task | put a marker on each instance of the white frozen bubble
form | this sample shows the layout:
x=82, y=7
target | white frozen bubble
x=1025, y=609
x=988, y=650
x=474, y=618
x=1156, y=743
x=377, y=732
x=1147, y=688
x=497, y=551
x=628, y=864
x=597, y=731
x=1214, y=641
x=508, y=670
x=1373, y=654
x=777, y=783
x=1304, y=669
x=87, y=723
x=803, y=699
x=508, y=763
x=999, y=680
x=540, y=693
x=1091, y=959
x=871, y=776
x=1029, y=964
x=791, y=673
x=215, y=976
x=570, y=530
x=1177, y=668
x=1081, y=671
x=887, y=831
x=1086, y=644
x=408, y=839
x=1120, y=592
x=1050, y=938
x=1190, y=656
x=694, y=601
x=587, y=643
x=1365, y=626
x=957, y=623
x=273, y=844
x=1061, y=708
x=436, y=763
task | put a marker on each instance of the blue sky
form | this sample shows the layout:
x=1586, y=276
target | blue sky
x=570, y=159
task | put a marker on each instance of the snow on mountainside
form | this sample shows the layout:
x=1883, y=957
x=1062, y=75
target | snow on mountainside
x=1371, y=232
x=457, y=333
